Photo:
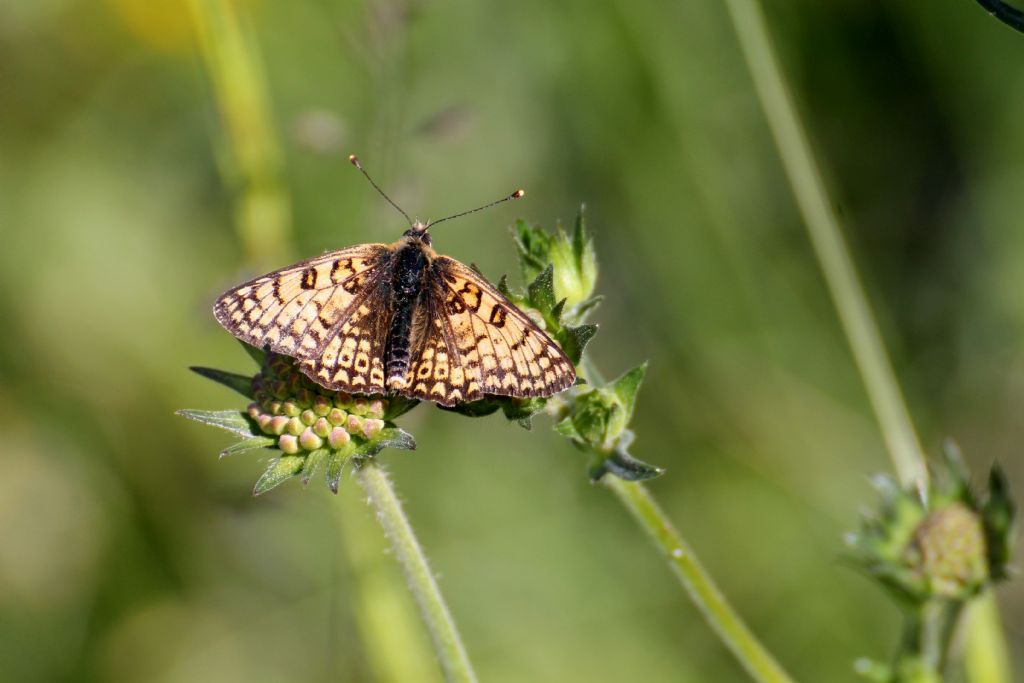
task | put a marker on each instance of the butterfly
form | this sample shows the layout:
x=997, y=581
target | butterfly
x=398, y=319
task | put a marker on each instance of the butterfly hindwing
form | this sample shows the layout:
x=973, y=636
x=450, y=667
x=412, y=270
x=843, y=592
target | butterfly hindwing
x=296, y=310
x=477, y=342
x=352, y=359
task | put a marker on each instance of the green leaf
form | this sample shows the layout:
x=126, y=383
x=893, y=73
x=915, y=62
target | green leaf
x=312, y=464
x=534, y=247
x=280, y=470
x=233, y=421
x=567, y=428
x=541, y=292
x=574, y=340
x=248, y=445
x=580, y=312
x=389, y=437
x=998, y=514
x=624, y=466
x=258, y=355
x=522, y=410
x=480, y=408
x=334, y=469
x=398, y=406
x=627, y=386
x=240, y=383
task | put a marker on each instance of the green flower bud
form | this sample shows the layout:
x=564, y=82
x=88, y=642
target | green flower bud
x=275, y=407
x=295, y=426
x=263, y=420
x=342, y=400
x=278, y=389
x=375, y=409
x=310, y=441
x=322, y=427
x=278, y=424
x=289, y=443
x=254, y=410
x=573, y=259
x=291, y=409
x=354, y=425
x=372, y=427
x=337, y=416
x=304, y=397
x=948, y=551
x=321, y=405
x=308, y=417
x=359, y=406
x=338, y=438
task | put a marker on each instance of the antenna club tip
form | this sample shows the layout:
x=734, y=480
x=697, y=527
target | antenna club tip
x=354, y=160
x=518, y=193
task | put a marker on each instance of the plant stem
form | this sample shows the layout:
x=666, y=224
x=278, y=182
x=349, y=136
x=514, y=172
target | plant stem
x=701, y=587
x=850, y=301
x=425, y=590
x=250, y=159
x=823, y=226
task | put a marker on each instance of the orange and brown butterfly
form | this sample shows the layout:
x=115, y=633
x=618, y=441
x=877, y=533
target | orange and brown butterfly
x=398, y=318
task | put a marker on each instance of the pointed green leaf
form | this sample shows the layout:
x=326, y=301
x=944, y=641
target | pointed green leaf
x=998, y=515
x=534, y=246
x=233, y=421
x=574, y=340
x=389, y=437
x=312, y=464
x=541, y=292
x=280, y=470
x=258, y=355
x=480, y=408
x=334, y=469
x=627, y=386
x=522, y=410
x=398, y=406
x=579, y=313
x=248, y=445
x=240, y=383
x=567, y=428
x=504, y=288
x=624, y=466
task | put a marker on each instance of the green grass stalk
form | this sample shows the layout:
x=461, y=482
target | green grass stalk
x=847, y=293
x=249, y=156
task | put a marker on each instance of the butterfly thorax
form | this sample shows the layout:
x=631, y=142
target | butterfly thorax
x=412, y=261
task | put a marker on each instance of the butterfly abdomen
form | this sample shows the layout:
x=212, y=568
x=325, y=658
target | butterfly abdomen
x=411, y=264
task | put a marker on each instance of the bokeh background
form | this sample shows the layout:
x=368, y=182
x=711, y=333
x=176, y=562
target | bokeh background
x=146, y=164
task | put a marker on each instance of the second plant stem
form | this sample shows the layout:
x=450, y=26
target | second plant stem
x=447, y=643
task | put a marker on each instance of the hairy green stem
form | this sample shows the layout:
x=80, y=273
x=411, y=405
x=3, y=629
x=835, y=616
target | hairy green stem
x=851, y=303
x=450, y=650
x=823, y=227
x=702, y=589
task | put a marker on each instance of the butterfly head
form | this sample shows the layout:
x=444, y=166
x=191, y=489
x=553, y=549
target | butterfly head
x=418, y=231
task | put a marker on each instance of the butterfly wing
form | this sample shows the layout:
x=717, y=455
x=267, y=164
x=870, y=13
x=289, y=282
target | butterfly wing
x=352, y=359
x=299, y=310
x=475, y=342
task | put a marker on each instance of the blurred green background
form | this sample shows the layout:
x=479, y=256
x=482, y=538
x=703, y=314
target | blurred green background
x=129, y=199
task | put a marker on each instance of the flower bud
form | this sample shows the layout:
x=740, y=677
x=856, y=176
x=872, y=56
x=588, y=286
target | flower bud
x=337, y=416
x=308, y=417
x=948, y=551
x=359, y=406
x=309, y=440
x=254, y=410
x=291, y=409
x=289, y=443
x=295, y=426
x=372, y=427
x=342, y=400
x=321, y=405
x=263, y=420
x=322, y=427
x=274, y=407
x=375, y=409
x=338, y=438
x=304, y=397
x=278, y=424
x=354, y=424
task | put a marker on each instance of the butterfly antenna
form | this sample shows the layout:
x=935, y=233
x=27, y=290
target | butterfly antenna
x=515, y=195
x=355, y=162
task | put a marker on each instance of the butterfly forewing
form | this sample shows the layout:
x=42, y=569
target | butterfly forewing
x=297, y=310
x=480, y=343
